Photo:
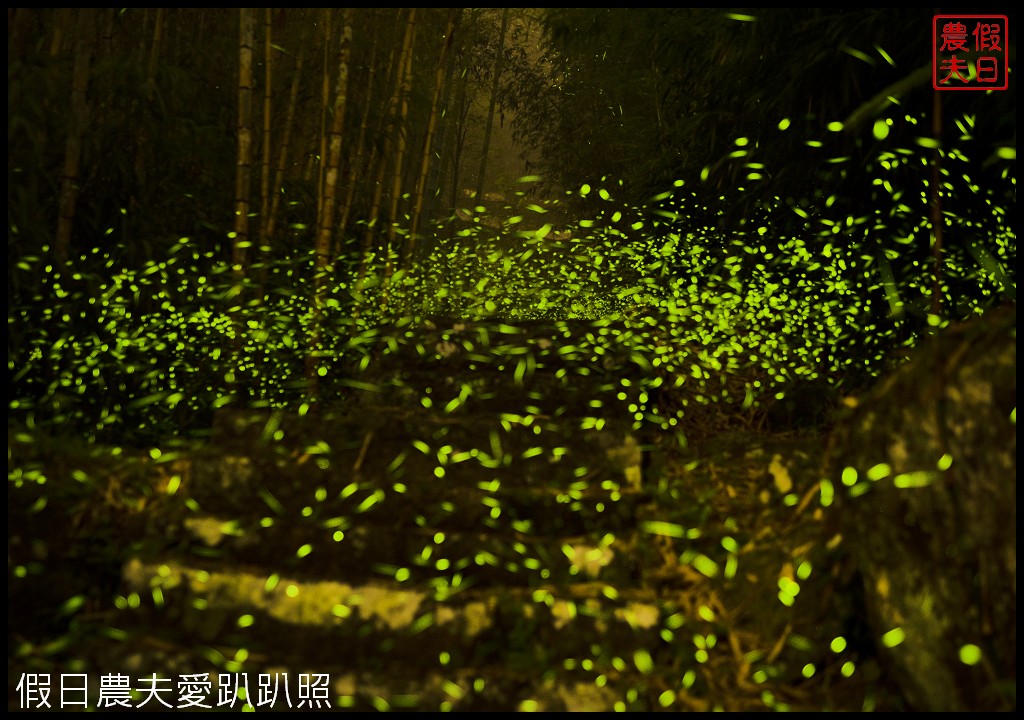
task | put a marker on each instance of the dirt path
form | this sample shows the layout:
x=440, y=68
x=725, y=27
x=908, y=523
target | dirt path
x=477, y=527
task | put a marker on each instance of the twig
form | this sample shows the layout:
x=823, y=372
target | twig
x=815, y=488
x=362, y=453
x=780, y=644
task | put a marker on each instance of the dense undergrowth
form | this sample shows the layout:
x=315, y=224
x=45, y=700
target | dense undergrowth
x=797, y=295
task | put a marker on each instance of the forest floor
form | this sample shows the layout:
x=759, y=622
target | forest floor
x=463, y=532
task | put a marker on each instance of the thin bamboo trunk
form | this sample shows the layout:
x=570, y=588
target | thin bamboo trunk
x=421, y=183
x=65, y=16
x=378, y=186
x=498, y=66
x=84, y=41
x=439, y=170
x=357, y=160
x=325, y=98
x=936, y=206
x=142, y=137
x=243, y=169
x=401, y=136
x=325, y=223
x=282, y=157
x=375, y=203
x=462, y=104
x=154, y=48
x=268, y=56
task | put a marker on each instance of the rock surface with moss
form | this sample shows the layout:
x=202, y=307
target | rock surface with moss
x=928, y=494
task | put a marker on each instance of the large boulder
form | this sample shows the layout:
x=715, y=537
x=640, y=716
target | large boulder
x=925, y=476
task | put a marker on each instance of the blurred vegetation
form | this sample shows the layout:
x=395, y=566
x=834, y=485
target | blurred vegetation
x=827, y=272
x=651, y=96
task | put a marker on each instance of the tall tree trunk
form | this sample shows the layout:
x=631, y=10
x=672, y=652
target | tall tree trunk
x=421, y=183
x=462, y=103
x=325, y=223
x=268, y=57
x=243, y=184
x=936, y=206
x=61, y=29
x=358, y=160
x=388, y=121
x=243, y=169
x=154, y=48
x=106, y=42
x=498, y=66
x=282, y=156
x=401, y=137
x=84, y=41
x=439, y=171
x=142, y=135
x=325, y=101
x=374, y=222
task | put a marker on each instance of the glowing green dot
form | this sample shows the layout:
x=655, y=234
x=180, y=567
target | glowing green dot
x=893, y=638
x=878, y=472
x=970, y=654
x=849, y=477
x=643, y=661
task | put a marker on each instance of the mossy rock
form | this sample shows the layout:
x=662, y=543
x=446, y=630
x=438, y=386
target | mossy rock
x=927, y=463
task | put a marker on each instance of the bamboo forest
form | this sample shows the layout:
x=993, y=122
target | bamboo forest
x=511, y=359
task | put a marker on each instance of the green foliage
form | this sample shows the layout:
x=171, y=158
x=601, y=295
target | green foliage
x=710, y=317
x=148, y=334
x=650, y=96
